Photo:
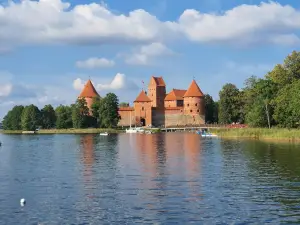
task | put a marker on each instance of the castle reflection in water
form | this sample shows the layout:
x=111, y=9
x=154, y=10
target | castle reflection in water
x=150, y=157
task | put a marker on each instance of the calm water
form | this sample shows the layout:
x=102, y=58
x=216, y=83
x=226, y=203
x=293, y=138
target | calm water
x=172, y=178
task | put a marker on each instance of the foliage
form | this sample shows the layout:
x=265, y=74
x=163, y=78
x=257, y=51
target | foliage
x=210, y=109
x=287, y=105
x=229, y=104
x=30, y=119
x=80, y=113
x=12, y=120
x=48, y=117
x=63, y=117
x=108, y=111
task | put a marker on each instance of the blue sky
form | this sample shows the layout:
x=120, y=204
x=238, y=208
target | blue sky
x=49, y=48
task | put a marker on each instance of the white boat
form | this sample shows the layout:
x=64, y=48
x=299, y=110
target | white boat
x=134, y=130
x=104, y=134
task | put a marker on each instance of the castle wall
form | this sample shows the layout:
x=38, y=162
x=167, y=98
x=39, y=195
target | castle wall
x=172, y=103
x=125, y=116
x=174, y=116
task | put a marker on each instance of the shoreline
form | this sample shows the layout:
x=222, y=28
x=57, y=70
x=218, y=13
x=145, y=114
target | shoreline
x=67, y=131
x=263, y=134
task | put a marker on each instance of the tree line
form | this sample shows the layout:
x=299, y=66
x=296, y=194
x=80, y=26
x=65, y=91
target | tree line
x=271, y=101
x=104, y=115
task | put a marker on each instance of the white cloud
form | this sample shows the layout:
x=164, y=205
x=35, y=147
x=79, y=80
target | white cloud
x=78, y=84
x=119, y=82
x=94, y=62
x=5, y=90
x=147, y=54
x=58, y=22
x=242, y=24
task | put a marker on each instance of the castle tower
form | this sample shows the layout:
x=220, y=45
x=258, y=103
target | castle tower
x=143, y=110
x=194, y=100
x=157, y=92
x=88, y=93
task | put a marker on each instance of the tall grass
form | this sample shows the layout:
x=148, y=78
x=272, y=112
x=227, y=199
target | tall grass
x=260, y=133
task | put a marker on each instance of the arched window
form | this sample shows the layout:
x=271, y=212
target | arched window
x=142, y=108
x=196, y=104
x=191, y=110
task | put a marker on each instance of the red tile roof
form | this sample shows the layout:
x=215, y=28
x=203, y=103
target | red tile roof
x=159, y=81
x=89, y=91
x=126, y=109
x=193, y=91
x=142, y=97
x=175, y=94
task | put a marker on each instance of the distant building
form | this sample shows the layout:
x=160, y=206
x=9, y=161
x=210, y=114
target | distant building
x=156, y=108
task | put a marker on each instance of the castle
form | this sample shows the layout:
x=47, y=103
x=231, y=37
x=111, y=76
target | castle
x=156, y=108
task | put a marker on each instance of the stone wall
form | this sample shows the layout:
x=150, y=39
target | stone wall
x=125, y=117
x=173, y=117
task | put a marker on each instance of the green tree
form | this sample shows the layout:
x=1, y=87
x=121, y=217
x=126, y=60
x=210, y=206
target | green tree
x=229, y=104
x=12, y=120
x=30, y=119
x=287, y=105
x=108, y=111
x=48, y=117
x=80, y=113
x=63, y=117
x=209, y=109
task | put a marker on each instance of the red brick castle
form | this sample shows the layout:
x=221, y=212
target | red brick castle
x=156, y=108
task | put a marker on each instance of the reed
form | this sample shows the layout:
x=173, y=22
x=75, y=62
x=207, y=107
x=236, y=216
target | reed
x=260, y=133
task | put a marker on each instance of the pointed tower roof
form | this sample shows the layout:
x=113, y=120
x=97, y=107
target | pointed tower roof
x=89, y=91
x=142, y=97
x=193, y=91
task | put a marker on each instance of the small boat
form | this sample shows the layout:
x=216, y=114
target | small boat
x=131, y=130
x=205, y=133
x=148, y=132
x=104, y=134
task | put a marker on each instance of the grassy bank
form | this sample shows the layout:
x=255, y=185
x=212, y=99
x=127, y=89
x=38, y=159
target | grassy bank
x=260, y=133
x=68, y=131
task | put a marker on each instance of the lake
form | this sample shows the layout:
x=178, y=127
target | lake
x=171, y=178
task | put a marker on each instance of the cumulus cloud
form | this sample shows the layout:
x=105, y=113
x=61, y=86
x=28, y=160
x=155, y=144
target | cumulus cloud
x=268, y=22
x=147, y=54
x=119, y=82
x=244, y=23
x=94, y=62
x=78, y=84
x=92, y=23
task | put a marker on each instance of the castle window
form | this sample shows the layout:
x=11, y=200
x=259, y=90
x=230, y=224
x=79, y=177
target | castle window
x=191, y=110
x=142, y=108
x=188, y=104
x=198, y=110
x=196, y=104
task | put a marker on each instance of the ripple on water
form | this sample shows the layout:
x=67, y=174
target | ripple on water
x=172, y=178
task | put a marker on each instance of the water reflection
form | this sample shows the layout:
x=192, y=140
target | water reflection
x=172, y=178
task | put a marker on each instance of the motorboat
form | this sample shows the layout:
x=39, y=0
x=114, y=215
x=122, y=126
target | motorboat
x=104, y=134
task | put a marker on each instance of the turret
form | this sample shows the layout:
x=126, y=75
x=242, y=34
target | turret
x=89, y=93
x=157, y=92
x=194, y=100
x=142, y=109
